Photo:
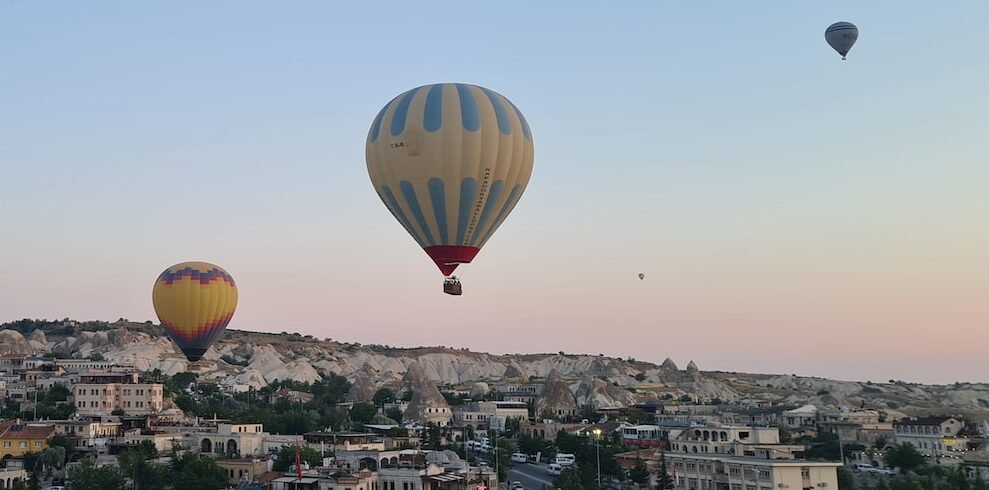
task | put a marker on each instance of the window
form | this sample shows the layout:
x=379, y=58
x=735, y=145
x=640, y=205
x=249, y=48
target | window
x=37, y=443
x=6, y=443
x=805, y=473
x=22, y=444
x=734, y=471
x=763, y=473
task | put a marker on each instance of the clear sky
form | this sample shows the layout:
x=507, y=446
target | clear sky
x=793, y=213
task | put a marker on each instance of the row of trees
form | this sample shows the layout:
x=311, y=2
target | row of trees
x=187, y=472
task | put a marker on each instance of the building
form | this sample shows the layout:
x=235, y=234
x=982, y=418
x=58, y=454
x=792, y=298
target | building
x=76, y=366
x=547, y=429
x=344, y=441
x=804, y=417
x=12, y=476
x=644, y=435
x=860, y=417
x=87, y=434
x=163, y=441
x=346, y=480
x=722, y=472
x=18, y=438
x=489, y=414
x=717, y=457
x=292, y=396
x=520, y=392
x=244, y=470
x=102, y=393
x=231, y=440
x=733, y=440
x=927, y=434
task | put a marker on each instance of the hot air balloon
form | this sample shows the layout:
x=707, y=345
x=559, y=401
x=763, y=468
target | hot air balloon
x=841, y=36
x=450, y=161
x=641, y=276
x=194, y=302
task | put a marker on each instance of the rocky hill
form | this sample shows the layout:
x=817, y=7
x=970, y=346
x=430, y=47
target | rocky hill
x=256, y=359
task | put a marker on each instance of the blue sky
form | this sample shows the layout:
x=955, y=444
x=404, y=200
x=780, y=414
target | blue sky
x=770, y=192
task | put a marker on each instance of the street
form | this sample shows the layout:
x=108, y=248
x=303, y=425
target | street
x=532, y=476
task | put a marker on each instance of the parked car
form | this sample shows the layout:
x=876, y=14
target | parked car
x=554, y=469
x=564, y=459
x=517, y=485
x=520, y=458
x=868, y=468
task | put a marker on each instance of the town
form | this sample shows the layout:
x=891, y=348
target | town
x=90, y=422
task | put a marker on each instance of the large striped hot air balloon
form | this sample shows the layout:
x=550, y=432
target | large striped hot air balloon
x=450, y=161
x=194, y=302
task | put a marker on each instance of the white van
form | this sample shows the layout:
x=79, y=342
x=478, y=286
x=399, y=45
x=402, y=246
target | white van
x=519, y=458
x=564, y=459
x=554, y=469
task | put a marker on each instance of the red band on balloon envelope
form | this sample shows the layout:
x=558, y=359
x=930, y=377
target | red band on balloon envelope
x=448, y=257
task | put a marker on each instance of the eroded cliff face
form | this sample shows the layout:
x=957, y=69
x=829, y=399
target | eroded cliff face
x=257, y=359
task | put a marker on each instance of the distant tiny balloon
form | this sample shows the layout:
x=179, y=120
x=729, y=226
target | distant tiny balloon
x=641, y=276
x=841, y=36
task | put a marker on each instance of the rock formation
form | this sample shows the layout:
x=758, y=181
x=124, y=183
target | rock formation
x=556, y=397
x=479, y=389
x=427, y=403
x=362, y=389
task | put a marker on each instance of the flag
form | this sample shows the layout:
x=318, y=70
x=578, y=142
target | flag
x=298, y=460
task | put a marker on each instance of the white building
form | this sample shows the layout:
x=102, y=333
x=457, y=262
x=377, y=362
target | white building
x=733, y=440
x=489, y=414
x=720, y=472
x=645, y=435
x=88, y=434
x=804, y=417
x=716, y=457
x=928, y=435
x=84, y=365
x=101, y=393
x=233, y=440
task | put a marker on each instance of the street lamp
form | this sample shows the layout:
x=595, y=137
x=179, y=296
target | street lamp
x=597, y=446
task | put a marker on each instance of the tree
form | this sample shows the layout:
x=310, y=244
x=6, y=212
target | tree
x=904, y=483
x=569, y=479
x=824, y=446
x=87, y=476
x=845, y=479
x=638, y=417
x=135, y=463
x=639, y=473
x=786, y=437
x=979, y=483
x=384, y=395
x=880, y=442
x=286, y=457
x=193, y=473
x=663, y=481
x=435, y=436
x=957, y=480
x=53, y=457
x=394, y=413
x=363, y=413
x=904, y=457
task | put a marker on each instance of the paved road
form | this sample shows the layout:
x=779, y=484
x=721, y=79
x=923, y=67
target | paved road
x=532, y=476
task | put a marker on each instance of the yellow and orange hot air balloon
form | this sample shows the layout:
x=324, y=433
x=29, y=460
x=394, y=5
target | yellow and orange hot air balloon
x=194, y=302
